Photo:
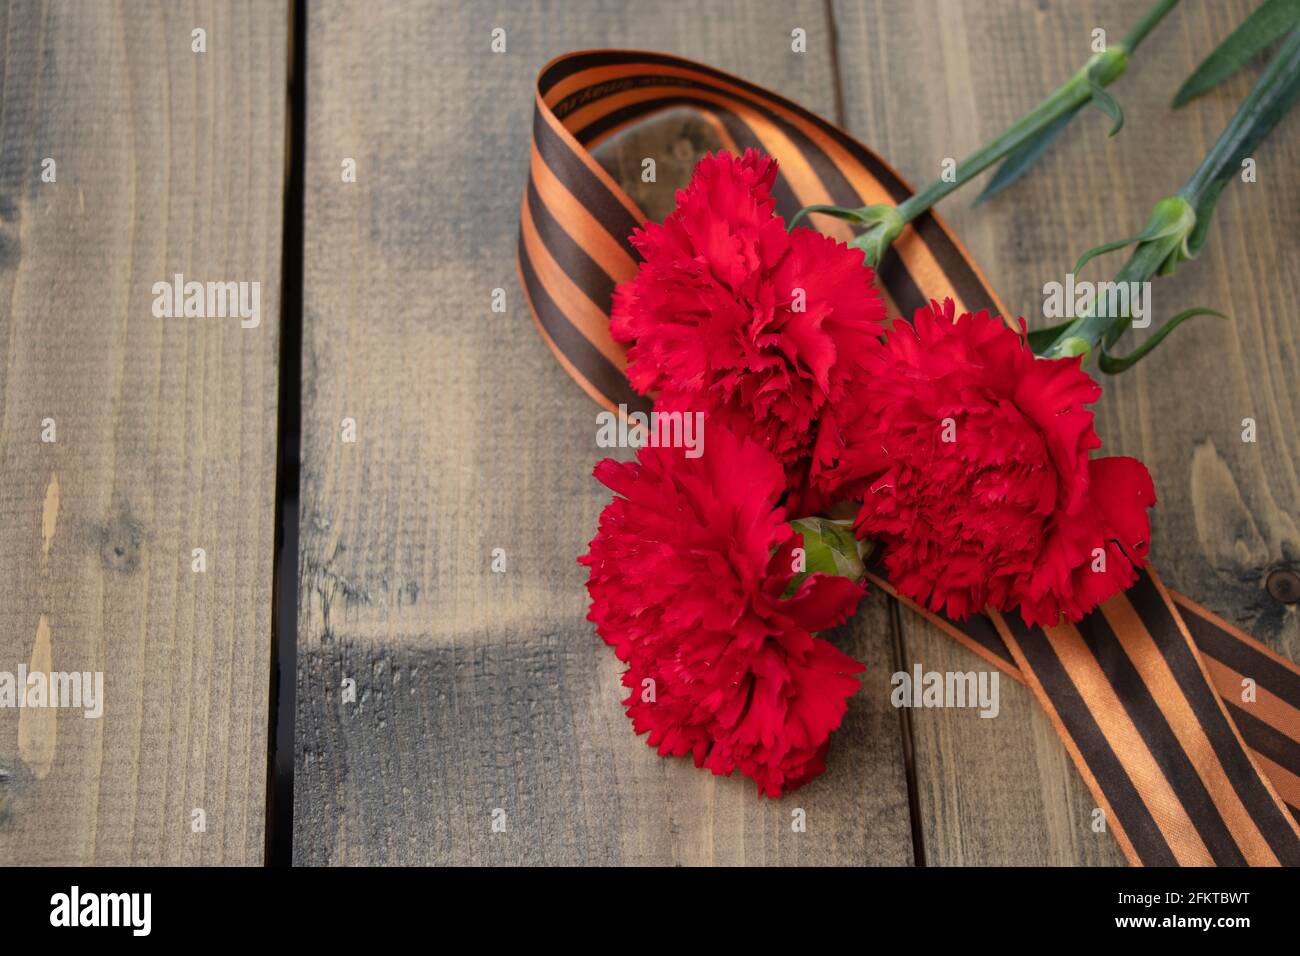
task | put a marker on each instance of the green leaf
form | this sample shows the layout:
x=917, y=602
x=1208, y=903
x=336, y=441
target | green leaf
x=1106, y=247
x=1105, y=102
x=839, y=212
x=1256, y=32
x=884, y=225
x=1270, y=100
x=1153, y=231
x=829, y=548
x=1171, y=216
x=1113, y=365
x=1040, y=339
x=1018, y=162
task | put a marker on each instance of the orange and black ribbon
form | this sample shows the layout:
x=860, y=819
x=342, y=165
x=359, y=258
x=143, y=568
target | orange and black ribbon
x=1149, y=692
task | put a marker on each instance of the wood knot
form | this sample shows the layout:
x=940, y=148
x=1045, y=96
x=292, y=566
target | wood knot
x=1283, y=584
x=120, y=542
x=6, y=797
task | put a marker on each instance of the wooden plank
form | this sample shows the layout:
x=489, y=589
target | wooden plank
x=1002, y=791
x=167, y=161
x=477, y=691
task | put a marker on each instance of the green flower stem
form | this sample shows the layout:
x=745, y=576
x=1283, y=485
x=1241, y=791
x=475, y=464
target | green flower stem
x=1277, y=88
x=1188, y=213
x=882, y=227
x=1074, y=93
x=1147, y=24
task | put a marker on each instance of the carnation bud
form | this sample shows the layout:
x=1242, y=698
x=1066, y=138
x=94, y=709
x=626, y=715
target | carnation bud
x=830, y=548
x=1073, y=345
x=1173, y=220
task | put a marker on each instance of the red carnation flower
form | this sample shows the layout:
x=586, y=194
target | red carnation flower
x=731, y=315
x=688, y=574
x=971, y=459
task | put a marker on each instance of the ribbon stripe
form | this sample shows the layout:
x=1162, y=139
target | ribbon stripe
x=1166, y=746
x=1265, y=806
x=1146, y=692
x=1271, y=729
x=1275, y=746
x=1127, y=814
x=571, y=269
x=585, y=184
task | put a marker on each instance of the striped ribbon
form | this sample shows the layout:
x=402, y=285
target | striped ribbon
x=1147, y=691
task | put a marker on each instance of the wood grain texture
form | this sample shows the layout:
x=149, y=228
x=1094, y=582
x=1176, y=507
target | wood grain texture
x=934, y=79
x=168, y=162
x=476, y=690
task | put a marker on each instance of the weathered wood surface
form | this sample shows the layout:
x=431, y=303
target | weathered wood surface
x=167, y=161
x=933, y=79
x=472, y=438
x=477, y=690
